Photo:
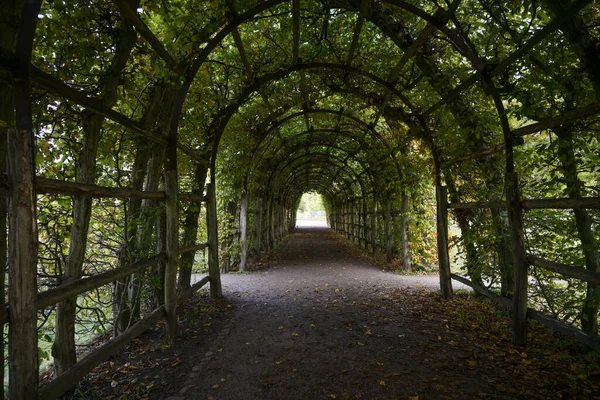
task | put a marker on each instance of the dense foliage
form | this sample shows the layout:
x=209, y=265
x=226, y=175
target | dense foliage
x=327, y=99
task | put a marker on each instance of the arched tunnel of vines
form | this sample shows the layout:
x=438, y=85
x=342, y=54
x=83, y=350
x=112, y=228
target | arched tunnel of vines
x=155, y=154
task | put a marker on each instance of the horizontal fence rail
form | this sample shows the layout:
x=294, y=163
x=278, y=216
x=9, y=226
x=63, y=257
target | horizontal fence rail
x=74, y=374
x=535, y=204
x=592, y=341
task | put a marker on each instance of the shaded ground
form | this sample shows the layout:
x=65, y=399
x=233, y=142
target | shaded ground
x=321, y=324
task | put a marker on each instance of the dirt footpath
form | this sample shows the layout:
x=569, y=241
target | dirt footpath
x=322, y=325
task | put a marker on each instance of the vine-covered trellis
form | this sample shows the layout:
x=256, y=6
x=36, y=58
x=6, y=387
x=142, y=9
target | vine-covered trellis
x=134, y=135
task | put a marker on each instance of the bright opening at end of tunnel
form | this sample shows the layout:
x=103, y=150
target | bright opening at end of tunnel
x=311, y=211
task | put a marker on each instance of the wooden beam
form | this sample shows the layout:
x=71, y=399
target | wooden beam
x=56, y=86
x=570, y=271
x=388, y=230
x=504, y=302
x=442, y=16
x=72, y=376
x=477, y=205
x=441, y=195
x=213, y=242
x=519, y=336
x=248, y=68
x=192, y=197
x=192, y=289
x=480, y=154
x=517, y=54
x=243, y=224
x=295, y=31
x=592, y=341
x=172, y=250
x=562, y=204
x=140, y=26
x=553, y=122
x=22, y=258
x=55, y=186
x=62, y=292
x=258, y=230
x=364, y=5
x=194, y=248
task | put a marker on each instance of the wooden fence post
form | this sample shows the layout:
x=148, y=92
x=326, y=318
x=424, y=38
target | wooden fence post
x=404, y=228
x=243, y=231
x=351, y=220
x=441, y=194
x=513, y=200
x=388, y=231
x=213, y=242
x=365, y=224
x=172, y=250
x=374, y=226
x=22, y=258
x=258, y=230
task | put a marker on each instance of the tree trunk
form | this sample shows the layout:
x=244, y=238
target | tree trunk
x=442, y=239
x=63, y=348
x=589, y=245
x=213, y=241
x=500, y=221
x=190, y=232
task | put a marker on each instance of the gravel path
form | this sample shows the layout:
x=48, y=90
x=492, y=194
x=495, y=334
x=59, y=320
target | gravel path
x=320, y=324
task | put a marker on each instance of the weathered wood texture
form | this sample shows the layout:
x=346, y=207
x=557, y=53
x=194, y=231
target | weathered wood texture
x=172, y=250
x=519, y=262
x=22, y=255
x=569, y=271
x=441, y=194
x=564, y=204
x=184, y=294
x=73, y=375
x=54, y=186
x=213, y=242
x=192, y=249
x=73, y=288
x=590, y=340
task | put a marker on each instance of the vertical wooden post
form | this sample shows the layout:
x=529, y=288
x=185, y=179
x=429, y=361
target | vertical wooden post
x=513, y=200
x=404, y=228
x=243, y=231
x=388, y=230
x=258, y=230
x=272, y=223
x=374, y=226
x=351, y=230
x=365, y=224
x=441, y=195
x=22, y=257
x=3, y=220
x=213, y=242
x=172, y=250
